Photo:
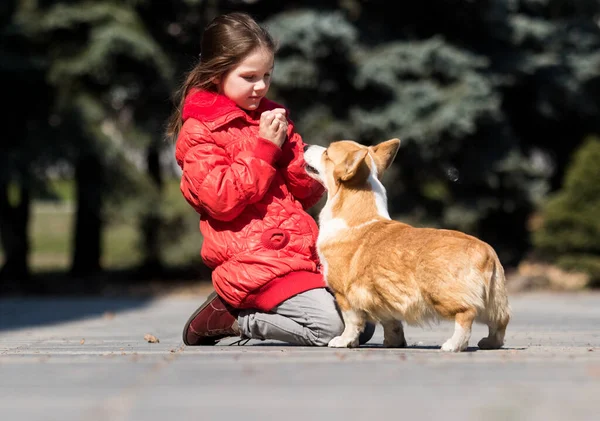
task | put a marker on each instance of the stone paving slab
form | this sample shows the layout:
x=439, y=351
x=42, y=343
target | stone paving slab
x=86, y=359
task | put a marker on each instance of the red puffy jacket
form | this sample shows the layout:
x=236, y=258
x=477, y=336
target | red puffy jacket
x=251, y=196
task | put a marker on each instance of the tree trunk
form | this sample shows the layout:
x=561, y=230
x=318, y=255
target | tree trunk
x=87, y=240
x=14, y=236
x=152, y=220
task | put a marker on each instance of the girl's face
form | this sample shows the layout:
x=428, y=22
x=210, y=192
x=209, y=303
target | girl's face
x=248, y=82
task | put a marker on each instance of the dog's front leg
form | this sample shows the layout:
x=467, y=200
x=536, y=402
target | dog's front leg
x=354, y=324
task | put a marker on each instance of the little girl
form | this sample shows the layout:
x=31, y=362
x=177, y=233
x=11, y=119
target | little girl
x=243, y=172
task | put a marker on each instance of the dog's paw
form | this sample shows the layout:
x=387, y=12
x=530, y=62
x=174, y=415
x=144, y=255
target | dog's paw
x=450, y=346
x=397, y=342
x=343, y=342
x=489, y=343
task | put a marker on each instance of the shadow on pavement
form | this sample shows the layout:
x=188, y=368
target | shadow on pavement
x=18, y=313
x=56, y=297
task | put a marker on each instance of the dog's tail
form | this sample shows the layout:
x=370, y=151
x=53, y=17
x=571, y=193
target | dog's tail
x=497, y=308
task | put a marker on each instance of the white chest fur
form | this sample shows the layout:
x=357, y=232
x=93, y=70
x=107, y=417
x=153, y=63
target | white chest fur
x=332, y=228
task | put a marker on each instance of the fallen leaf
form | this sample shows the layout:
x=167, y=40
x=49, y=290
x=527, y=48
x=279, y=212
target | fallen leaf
x=151, y=338
x=81, y=342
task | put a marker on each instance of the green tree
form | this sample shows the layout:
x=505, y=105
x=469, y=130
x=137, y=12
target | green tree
x=29, y=143
x=108, y=74
x=460, y=163
x=570, y=233
x=482, y=94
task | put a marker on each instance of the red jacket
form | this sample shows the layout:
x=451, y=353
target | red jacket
x=251, y=196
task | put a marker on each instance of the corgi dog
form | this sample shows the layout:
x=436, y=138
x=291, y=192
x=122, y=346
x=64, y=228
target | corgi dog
x=386, y=271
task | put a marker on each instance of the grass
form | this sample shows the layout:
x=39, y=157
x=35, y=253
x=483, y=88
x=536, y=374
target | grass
x=51, y=234
x=51, y=238
x=51, y=231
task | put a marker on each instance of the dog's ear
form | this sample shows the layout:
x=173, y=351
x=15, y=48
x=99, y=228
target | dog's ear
x=351, y=165
x=385, y=152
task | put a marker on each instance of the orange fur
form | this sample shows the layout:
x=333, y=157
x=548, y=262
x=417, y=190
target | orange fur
x=389, y=271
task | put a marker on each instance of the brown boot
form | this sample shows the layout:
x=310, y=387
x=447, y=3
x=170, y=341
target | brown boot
x=212, y=321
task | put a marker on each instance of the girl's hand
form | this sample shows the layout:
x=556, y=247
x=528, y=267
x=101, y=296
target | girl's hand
x=273, y=126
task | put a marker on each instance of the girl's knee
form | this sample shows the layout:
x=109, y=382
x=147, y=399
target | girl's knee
x=331, y=326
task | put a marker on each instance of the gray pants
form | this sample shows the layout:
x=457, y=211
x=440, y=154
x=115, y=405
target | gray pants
x=311, y=318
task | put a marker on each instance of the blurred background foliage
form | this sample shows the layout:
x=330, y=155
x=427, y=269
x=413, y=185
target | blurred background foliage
x=497, y=103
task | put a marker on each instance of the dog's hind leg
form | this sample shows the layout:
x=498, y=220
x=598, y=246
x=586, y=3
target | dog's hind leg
x=462, y=332
x=393, y=334
x=497, y=312
x=495, y=338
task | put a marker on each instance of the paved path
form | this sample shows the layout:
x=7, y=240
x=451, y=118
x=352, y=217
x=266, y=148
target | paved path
x=86, y=359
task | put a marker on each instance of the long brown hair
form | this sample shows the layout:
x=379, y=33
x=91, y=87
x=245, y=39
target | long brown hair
x=226, y=41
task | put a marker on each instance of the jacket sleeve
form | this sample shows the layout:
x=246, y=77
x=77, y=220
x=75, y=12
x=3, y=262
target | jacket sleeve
x=214, y=183
x=303, y=187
